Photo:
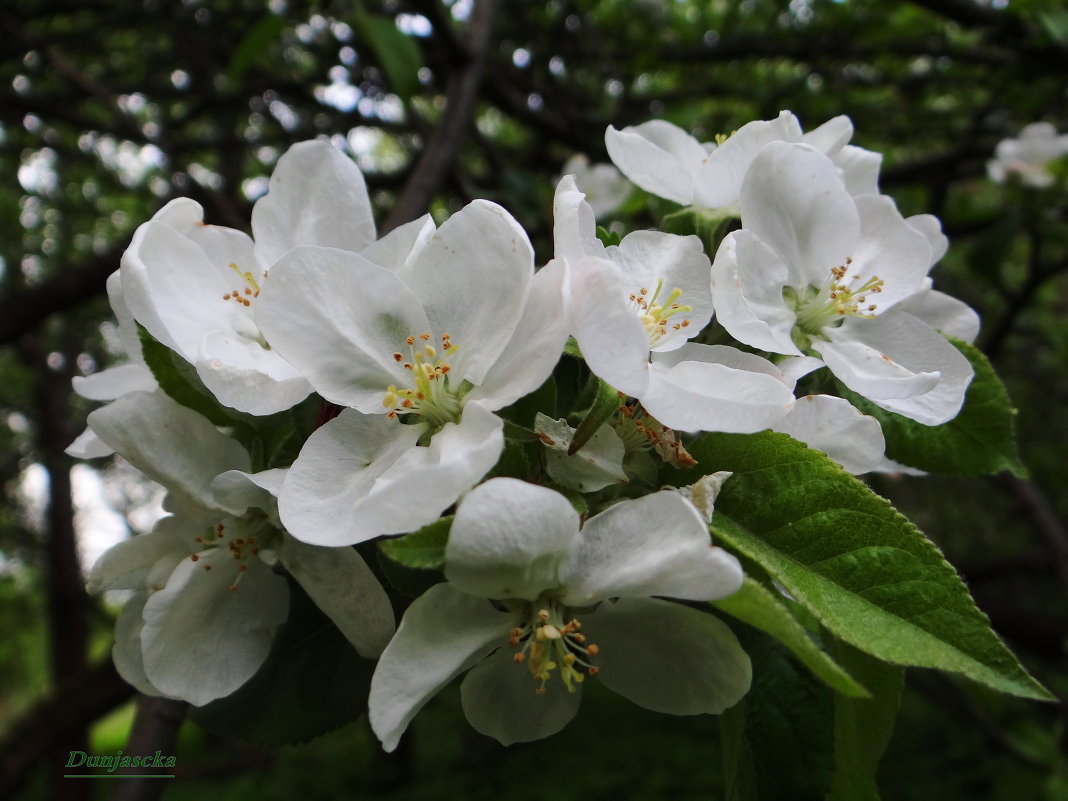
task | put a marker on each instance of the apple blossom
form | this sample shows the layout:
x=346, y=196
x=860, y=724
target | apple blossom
x=531, y=598
x=206, y=599
x=422, y=355
x=635, y=305
x=817, y=271
x=666, y=161
x=1028, y=157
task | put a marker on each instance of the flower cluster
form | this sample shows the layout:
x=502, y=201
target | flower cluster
x=432, y=361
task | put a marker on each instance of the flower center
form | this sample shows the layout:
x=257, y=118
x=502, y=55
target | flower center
x=840, y=297
x=431, y=394
x=241, y=547
x=656, y=315
x=243, y=296
x=640, y=431
x=546, y=643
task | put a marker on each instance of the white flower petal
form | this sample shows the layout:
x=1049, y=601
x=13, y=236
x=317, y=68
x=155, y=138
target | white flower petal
x=397, y=250
x=574, y=226
x=236, y=489
x=328, y=490
x=359, y=477
x=127, y=565
x=473, y=278
x=830, y=137
x=943, y=312
x=316, y=196
x=500, y=700
x=114, y=382
x=168, y=442
x=536, y=345
x=126, y=652
x=889, y=248
x=700, y=394
x=613, y=340
x=88, y=445
x=655, y=545
x=793, y=200
x=442, y=634
x=131, y=341
x=836, y=427
x=667, y=657
x=201, y=640
x=859, y=170
x=645, y=258
x=345, y=589
x=931, y=227
x=244, y=375
x=659, y=157
x=339, y=320
x=597, y=465
x=916, y=347
x=871, y=371
x=508, y=540
x=719, y=181
x=747, y=282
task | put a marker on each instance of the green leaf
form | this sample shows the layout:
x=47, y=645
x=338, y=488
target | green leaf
x=608, y=238
x=862, y=727
x=759, y=607
x=981, y=439
x=253, y=45
x=179, y=380
x=865, y=572
x=424, y=549
x=395, y=52
x=312, y=682
x=777, y=742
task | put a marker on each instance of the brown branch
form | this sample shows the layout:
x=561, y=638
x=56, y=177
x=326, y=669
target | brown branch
x=1044, y=518
x=154, y=729
x=443, y=147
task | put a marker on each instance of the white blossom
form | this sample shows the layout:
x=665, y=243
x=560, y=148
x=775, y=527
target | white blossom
x=1028, y=156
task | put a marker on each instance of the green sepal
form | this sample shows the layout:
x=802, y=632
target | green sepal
x=423, y=549
x=758, y=606
x=605, y=405
x=608, y=238
x=708, y=225
x=981, y=439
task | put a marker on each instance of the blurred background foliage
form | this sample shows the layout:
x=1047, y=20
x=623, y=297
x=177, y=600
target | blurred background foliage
x=109, y=109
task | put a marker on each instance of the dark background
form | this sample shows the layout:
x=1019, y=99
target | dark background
x=108, y=109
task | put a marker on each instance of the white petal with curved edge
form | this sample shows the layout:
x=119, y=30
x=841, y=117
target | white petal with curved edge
x=473, y=278
x=168, y=442
x=397, y=250
x=500, y=700
x=359, y=477
x=943, y=312
x=173, y=290
x=508, y=540
x=646, y=258
x=655, y=545
x=719, y=181
x=747, y=282
x=598, y=464
x=128, y=335
x=830, y=137
x=612, y=338
x=114, y=382
x=793, y=201
x=126, y=652
x=127, y=565
x=574, y=226
x=201, y=640
x=836, y=427
x=345, y=589
x=659, y=157
x=244, y=375
x=88, y=445
x=236, y=489
x=667, y=657
x=442, y=634
x=890, y=249
x=330, y=483
x=339, y=320
x=702, y=395
x=931, y=227
x=859, y=170
x=872, y=372
x=917, y=347
x=537, y=344
x=316, y=196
